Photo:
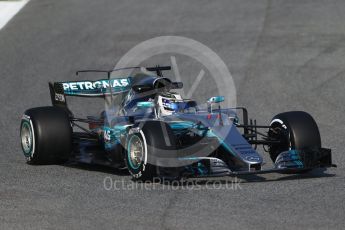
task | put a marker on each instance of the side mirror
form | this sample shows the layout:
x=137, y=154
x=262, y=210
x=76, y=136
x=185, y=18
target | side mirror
x=145, y=104
x=216, y=99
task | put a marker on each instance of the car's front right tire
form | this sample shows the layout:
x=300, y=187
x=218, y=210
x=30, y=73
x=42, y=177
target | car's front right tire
x=146, y=143
x=136, y=157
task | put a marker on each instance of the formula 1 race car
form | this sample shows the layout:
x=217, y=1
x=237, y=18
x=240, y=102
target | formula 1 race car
x=148, y=128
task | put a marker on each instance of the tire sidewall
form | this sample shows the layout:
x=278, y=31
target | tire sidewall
x=286, y=128
x=29, y=154
x=138, y=172
x=154, y=139
x=51, y=133
x=299, y=131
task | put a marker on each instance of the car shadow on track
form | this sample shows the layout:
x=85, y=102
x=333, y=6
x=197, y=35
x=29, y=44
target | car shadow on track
x=243, y=179
x=316, y=173
x=97, y=168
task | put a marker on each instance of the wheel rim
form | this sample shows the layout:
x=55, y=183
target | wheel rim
x=26, y=138
x=135, y=152
x=282, y=135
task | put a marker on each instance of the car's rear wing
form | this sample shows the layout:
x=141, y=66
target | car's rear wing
x=98, y=88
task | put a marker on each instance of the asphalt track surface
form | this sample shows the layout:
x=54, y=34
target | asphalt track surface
x=283, y=55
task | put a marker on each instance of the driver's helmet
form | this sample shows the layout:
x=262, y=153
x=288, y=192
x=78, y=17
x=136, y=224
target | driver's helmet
x=171, y=102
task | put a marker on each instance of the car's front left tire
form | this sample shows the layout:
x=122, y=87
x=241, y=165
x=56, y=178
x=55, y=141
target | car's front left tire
x=296, y=130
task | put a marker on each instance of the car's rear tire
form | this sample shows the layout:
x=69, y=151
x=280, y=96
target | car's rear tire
x=46, y=135
x=150, y=137
x=296, y=130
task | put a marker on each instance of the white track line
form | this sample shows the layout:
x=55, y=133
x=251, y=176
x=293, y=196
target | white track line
x=8, y=9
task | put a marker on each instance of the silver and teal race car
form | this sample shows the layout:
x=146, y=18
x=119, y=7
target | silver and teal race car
x=150, y=129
